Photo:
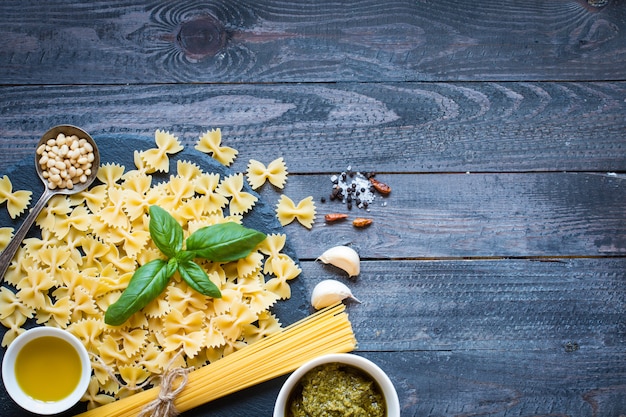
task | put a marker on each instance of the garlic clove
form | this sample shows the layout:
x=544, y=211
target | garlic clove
x=343, y=257
x=329, y=292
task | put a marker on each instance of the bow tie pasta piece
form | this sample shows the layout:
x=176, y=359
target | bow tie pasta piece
x=84, y=305
x=89, y=331
x=184, y=299
x=240, y=201
x=249, y=265
x=79, y=219
x=259, y=298
x=188, y=170
x=33, y=288
x=134, y=376
x=16, y=201
x=137, y=181
x=131, y=340
x=10, y=304
x=210, y=143
x=271, y=246
x=158, y=159
x=94, y=197
x=56, y=313
x=113, y=214
x=110, y=350
x=214, y=338
x=304, y=212
x=110, y=174
x=267, y=324
x=157, y=308
x=184, y=332
x=14, y=324
x=285, y=270
x=206, y=185
x=177, y=190
x=6, y=233
x=275, y=172
x=57, y=208
x=231, y=323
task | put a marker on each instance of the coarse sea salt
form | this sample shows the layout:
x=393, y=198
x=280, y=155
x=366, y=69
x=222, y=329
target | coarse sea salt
x=353, y=188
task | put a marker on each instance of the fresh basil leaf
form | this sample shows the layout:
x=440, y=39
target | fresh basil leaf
x=166, y=233
x=197, y=278
x=185, y=255
x=147, y=283
x=224, y=242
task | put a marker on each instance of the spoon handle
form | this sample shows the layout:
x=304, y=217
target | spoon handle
x=9, y=252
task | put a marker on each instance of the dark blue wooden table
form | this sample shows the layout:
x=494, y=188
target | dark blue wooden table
x=494, y=275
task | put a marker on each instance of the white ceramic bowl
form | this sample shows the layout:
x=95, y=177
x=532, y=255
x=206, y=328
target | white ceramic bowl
x=24, y=400
x=359, y=362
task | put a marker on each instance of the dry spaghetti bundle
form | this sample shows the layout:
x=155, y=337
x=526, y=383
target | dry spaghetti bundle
x=326, y=331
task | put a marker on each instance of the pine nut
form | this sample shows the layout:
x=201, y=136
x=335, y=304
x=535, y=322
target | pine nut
x=66, y=161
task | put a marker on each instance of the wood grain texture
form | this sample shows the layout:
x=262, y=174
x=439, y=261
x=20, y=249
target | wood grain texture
x=464, y=383
x=509, y=383
x=476, y=215
x=556, y=307
x=413, y=127
x=494, y=275
x=302, y=41
x=464, y=338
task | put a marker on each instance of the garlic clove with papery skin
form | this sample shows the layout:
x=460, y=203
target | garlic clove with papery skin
x=329, y=292
x=343, y=257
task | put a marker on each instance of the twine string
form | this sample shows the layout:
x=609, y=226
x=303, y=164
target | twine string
x=163, y=405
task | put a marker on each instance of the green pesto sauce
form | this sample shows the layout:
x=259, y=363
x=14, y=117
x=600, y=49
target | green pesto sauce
x=336, y=390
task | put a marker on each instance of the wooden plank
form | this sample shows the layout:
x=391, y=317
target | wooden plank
x=507, y=383
x=423, y=127
x=435, y=216
x=298, y=41
x=477, y=215
x=469, y=383
x=475, y=382
x=556, y=307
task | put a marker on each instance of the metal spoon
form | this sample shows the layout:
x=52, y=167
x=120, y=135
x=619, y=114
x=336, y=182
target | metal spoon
x=9, y=252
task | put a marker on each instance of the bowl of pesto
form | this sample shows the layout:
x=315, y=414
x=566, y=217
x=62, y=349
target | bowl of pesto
x=340, y=384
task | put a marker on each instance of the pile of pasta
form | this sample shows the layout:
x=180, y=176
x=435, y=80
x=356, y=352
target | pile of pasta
x=92, y=243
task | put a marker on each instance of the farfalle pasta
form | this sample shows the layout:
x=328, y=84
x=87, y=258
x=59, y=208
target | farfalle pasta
x=211, y=143
x=158, y=159
x=6, y=233
x=240, y=201
x=91, y=244
x=16, y=201
x=287, y=211
x=275, y=173
x=285, y=270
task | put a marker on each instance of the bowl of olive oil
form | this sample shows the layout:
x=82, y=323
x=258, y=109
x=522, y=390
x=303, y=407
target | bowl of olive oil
x=338, y=384
x=46, y=370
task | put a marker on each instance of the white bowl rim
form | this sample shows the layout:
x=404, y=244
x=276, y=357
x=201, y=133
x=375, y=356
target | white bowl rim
x=27, y=402
x=388, y=390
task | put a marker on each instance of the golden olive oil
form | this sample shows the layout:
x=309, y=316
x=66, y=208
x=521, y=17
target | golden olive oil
x=48, y=368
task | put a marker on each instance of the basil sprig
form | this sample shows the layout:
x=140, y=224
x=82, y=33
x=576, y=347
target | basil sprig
x=223, y=242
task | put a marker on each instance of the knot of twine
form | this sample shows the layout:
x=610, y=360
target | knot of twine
x=163, y=405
